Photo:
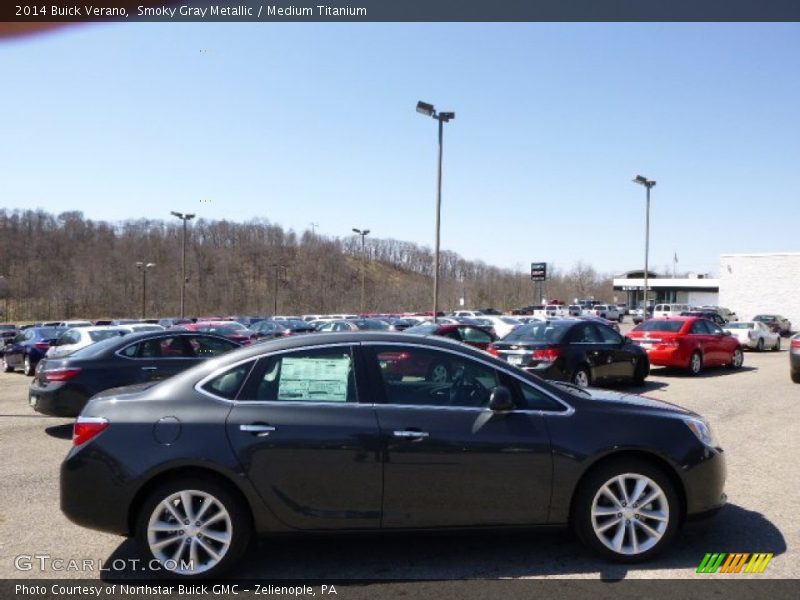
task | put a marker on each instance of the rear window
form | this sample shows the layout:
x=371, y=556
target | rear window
x=667, y=326
x=739, y=325
x=95, y=349
x=549, y=332
x=98, y=336
x=423, y=329
x=227, y=385
x=47, y=333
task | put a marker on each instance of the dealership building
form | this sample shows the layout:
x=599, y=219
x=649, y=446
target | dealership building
x=748, y=284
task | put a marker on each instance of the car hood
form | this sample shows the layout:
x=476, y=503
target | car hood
x=621, y=398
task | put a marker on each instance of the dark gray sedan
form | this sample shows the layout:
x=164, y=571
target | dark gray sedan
x=330, y=433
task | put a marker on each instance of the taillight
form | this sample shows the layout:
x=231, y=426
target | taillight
x=44, y=346
x=795, y=345
x=671, y=343
x=287, y=332
x=492, y=349
x=547, y=354
x=87, y=428
x=61, y=374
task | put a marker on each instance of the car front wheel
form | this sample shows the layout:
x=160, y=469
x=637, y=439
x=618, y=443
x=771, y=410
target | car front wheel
x=582, y=377
x=6, y=366
x=737, y=360
x=696, y=363
x=27, y=366
x=193, y=528
x=626, y=510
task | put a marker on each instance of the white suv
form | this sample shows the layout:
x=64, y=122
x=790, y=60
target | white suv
x=670, y=310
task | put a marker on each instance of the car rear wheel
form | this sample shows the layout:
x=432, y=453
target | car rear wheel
x=7, y=367
x=27, y=366
x=696, y=363
x=760, y=345
x=795, y=376
x=581, y=377
x=193, y=528
x=777, y=345
x=626, y=510
x=737, y=360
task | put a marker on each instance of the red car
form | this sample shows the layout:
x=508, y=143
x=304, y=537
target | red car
x=229, y=329
x=397, y=365
x=688, y=343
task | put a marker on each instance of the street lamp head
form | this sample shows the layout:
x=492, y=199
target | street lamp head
x=358, y=231
x=176, y=214
x=139, y=264
x=644, y=181
x=184, y=217
x=424, y=108
x=148, y=265
x=366, y=232
x=447, y=116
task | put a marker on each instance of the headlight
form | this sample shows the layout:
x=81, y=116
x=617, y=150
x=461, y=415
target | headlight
x=702, y=430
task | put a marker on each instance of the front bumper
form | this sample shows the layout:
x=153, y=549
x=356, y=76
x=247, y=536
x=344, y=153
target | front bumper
x=704, y=484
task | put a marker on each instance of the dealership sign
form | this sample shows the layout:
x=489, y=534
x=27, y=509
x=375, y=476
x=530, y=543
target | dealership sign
x=538, y=271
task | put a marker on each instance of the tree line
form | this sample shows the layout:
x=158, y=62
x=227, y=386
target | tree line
x=68, y=266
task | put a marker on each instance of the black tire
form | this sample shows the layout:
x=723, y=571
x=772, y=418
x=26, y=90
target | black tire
x=582, y=521
x=760, y=345
x=737, y=359
x=582, y=377
x=240, y=521
x=641, y=371
x=7, y=367
x=777, y=346
x=795, y=376
x=28, y=368
x=696, y=363
x=438, y=372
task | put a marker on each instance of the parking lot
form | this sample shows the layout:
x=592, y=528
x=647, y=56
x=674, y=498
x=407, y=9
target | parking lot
x=755, y=412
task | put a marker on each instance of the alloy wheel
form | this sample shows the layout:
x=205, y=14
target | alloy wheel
x=581, y=378
x=696, y=363
x=630, y=514
x=439, y=373
x=189, y=532
x=738, y=358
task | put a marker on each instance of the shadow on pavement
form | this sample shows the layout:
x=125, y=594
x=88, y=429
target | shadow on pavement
x=62, y=432
x=467, y=555
x=705, y=373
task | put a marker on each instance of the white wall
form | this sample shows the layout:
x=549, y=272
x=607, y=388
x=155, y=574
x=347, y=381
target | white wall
x=761, y=283
x=702, y=298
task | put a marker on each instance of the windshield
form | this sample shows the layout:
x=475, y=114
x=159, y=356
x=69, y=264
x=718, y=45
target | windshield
x=551, y=332
x=764, y=318
x=295, y=324
x=653, y=325
x=739, y=325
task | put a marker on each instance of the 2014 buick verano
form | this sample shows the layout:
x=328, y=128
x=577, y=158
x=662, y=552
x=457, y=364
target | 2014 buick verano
x=311, y=434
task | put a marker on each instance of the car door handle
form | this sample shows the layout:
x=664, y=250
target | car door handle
x=259, y=430
x=149, y=368
x=409, y=434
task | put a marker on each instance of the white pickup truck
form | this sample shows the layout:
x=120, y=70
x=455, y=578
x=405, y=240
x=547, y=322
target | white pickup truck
x=606, y=311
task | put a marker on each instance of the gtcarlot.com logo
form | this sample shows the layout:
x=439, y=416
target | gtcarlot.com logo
x=738, y=562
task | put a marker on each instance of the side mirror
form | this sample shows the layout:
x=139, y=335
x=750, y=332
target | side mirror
x=626, y=340
x=500, y=399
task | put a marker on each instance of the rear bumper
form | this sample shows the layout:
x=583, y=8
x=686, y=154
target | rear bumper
x=63, y=401
x=91, y=495
x=668, y=357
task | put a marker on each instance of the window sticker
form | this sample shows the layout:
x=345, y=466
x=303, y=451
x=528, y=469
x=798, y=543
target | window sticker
x=314, y=379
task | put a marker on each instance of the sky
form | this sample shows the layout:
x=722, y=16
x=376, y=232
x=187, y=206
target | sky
x=316, y=123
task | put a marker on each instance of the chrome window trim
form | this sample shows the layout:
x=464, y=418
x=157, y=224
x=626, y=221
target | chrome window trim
x=198, y=386
x=565, y=413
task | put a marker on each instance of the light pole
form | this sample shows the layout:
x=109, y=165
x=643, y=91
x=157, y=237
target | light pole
x=142, y=266
x=427, y=109
x=363, y=233
x=277, y=268
x=185, y=218
x=647, y=183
